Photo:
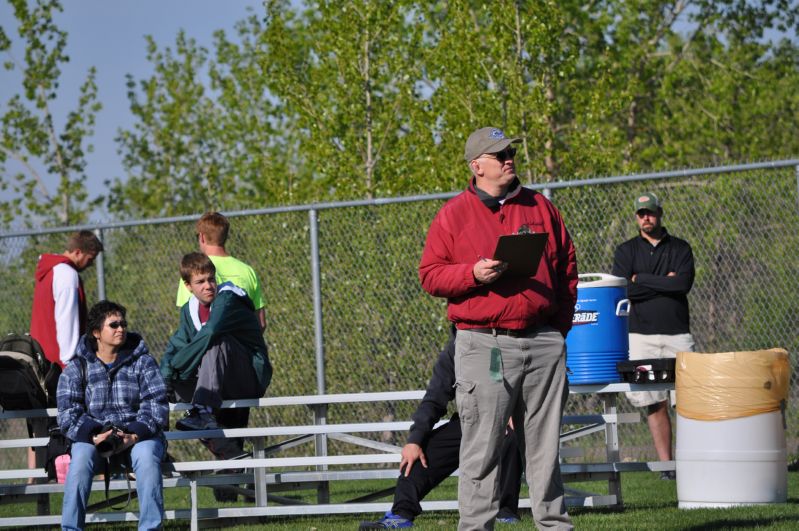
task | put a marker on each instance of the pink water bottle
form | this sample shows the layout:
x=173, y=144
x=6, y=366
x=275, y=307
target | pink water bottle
x=62, y=467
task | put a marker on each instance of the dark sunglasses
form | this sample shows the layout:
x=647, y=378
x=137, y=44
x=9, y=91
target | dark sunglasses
x=116, y=324
x=503, y=155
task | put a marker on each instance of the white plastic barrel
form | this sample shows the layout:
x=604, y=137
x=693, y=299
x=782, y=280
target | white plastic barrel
x=723, y=463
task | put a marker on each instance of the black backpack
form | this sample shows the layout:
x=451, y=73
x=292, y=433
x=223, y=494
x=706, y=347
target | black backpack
x=25, y=374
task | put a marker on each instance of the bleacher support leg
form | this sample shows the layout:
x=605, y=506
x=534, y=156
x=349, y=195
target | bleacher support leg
x=259, y=474
x=195, y=525
x=612, y=445
x=40, y=430
x=320, y=418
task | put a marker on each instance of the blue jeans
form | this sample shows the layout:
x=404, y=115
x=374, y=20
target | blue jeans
x=146, y=458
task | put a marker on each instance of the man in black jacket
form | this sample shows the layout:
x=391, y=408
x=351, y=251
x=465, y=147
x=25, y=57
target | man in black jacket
x=431, y=455
x=660, y=271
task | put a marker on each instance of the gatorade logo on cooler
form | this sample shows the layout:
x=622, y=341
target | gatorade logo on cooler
x=585, y=317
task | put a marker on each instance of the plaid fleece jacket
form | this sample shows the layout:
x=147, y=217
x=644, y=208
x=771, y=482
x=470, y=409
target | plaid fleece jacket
x=130, y=394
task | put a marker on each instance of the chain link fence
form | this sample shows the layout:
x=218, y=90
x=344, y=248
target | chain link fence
x=343, y=294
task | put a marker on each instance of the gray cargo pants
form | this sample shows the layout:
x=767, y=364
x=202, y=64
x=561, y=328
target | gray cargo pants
x=225, y=373
x=533, y=388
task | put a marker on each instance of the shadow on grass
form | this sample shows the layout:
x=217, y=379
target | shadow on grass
x=582, y=511
x=741, y=523
x=639, y=507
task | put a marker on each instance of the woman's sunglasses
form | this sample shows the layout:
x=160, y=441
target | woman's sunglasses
x=116, y=324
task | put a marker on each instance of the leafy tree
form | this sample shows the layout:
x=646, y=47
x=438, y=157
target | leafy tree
x=535, y=69
x=42, y=167
x=172, y=157
x=298, y=107
x=743, y=108
x=295, y=106
x=684, y=66
x=352, y=96
x=207, y=135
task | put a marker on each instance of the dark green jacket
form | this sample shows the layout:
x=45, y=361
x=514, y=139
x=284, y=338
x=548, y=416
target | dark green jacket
x=232, y=313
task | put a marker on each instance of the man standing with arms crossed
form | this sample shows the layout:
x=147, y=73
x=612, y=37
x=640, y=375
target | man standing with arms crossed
x=660, y=272
x=510, y=355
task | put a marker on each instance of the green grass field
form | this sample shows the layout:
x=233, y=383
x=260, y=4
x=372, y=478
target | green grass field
x=650, y=503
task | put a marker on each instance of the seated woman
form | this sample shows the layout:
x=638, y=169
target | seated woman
x=112, y=381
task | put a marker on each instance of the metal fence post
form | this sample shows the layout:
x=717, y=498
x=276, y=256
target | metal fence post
x=100, y=265
x=320, y=411
x=797, y=184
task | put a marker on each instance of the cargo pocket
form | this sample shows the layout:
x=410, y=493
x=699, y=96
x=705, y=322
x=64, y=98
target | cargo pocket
x=466, y=401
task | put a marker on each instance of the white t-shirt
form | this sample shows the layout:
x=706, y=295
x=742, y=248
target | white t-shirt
x=67, y=315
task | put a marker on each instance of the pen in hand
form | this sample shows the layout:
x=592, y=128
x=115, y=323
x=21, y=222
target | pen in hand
x=487, y=270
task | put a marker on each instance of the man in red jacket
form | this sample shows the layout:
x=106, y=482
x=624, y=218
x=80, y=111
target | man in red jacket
x=58, y=316
x=510, y=355
x=59, y=303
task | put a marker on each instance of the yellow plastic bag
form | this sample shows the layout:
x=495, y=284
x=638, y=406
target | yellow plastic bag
x=731, y=385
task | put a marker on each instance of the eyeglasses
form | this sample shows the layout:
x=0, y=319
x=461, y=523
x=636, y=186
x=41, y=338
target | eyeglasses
x=503, y=155
x=116, y=324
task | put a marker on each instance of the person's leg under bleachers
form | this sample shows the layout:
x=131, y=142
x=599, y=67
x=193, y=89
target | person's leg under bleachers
x=510, y=478
x=441, y=451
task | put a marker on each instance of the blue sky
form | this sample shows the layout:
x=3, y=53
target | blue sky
x=109, y=35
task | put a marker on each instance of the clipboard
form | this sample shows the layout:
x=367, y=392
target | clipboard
x=522, y=252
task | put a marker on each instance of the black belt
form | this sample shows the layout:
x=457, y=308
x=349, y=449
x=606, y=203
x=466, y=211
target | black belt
x=524, y=332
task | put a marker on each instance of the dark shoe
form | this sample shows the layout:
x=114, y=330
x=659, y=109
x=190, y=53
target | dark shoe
x=197, y=420
x=389, y=521
x=506, y=516
x=225, y=495
x=668, y=475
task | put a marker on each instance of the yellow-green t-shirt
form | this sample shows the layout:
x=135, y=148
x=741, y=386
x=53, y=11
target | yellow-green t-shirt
x=233, y=270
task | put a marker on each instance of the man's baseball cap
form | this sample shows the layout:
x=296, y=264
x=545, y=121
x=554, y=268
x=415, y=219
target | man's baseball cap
x=487, y=140
x=647, y=201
